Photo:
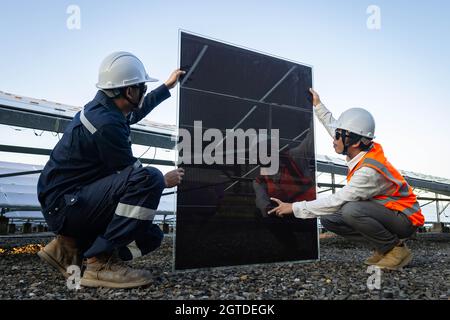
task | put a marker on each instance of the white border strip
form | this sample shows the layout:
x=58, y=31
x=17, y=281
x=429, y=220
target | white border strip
x=134, y=212
x=134, y=250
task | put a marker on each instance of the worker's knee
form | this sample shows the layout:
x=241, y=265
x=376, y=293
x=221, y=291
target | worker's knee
x=351, y=212
x=152, y=240
x=158, y=235
x=157, y=177
x=331, y=223
x=151, y=178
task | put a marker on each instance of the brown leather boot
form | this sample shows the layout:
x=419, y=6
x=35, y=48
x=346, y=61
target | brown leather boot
x=111, y=272
x=396, y=259
x=374, y=259
x=60, y=253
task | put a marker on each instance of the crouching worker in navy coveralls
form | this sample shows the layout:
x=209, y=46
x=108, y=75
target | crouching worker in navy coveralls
x=98, y=199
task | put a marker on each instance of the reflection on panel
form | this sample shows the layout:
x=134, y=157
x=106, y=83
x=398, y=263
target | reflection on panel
x=223, y=202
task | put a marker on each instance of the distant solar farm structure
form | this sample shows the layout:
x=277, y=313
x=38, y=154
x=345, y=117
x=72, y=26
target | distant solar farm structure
x=18, y=199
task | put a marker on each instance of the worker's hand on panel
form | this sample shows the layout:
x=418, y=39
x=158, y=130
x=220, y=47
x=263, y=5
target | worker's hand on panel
x=174, y=77
x=316, y=97
x=174, y=177
x=282, y=209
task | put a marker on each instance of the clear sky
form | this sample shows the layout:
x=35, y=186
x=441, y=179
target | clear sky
x=401, y=73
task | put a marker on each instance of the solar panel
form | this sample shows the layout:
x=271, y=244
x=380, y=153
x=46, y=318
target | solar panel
x=222, y=206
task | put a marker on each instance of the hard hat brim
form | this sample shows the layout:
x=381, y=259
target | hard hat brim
x=336, y=125
x=150, y=79
x=147, y=79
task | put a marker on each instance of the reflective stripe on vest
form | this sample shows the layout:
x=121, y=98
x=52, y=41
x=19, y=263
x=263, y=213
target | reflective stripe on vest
x=402, y=198
x=87, y=123
x=407, y=211
x=403, y=187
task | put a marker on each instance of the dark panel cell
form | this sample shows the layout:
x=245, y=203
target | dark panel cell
x=294, y=91
x=223, y=112
x=218, y=186
x=222, y=68
x=222, y=205
x=241, y=235
x=292, y=124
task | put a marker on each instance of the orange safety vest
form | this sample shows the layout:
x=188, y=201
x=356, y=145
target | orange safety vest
x=402, y=197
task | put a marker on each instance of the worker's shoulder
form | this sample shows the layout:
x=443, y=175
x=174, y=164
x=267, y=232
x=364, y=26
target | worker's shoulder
x=102, y=117
x=367, y=171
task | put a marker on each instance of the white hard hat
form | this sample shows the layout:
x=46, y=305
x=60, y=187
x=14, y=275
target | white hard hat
x=121, y=69
x=357, y=120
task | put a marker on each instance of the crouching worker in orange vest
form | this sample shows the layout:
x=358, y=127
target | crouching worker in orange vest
x=377, y=204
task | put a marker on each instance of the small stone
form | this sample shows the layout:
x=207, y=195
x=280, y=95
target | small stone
x=157, y=295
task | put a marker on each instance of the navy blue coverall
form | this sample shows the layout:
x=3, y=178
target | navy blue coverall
x=94, y=190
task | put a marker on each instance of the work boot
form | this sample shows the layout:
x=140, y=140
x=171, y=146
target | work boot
x=374, y=259
x=61, y=253
x=395, y=259
x=111, y=272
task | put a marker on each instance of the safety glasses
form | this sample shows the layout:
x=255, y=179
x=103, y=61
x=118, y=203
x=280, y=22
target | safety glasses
x=142, y=88
x=338, y=135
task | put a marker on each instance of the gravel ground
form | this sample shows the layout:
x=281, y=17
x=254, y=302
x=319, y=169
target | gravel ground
x=339, y=275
